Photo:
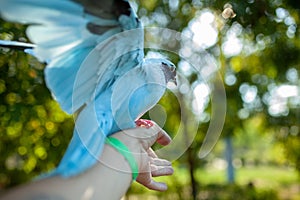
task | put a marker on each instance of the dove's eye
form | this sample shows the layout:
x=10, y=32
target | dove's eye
x=164, y=64
x=170, y=66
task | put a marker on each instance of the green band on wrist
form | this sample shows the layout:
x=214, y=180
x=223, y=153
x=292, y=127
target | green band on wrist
x=122, y=149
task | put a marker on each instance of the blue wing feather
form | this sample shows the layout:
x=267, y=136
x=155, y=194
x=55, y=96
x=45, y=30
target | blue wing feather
x=59, y=30
x=61, y=74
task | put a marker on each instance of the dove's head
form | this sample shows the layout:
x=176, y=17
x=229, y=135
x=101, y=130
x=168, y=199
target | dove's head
x=169, y=70
x=167, y=67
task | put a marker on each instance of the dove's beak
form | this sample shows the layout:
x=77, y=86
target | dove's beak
x=174, y=81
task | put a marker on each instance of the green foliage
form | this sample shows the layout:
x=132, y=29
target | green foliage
x=34, y=131
x=215, y=192
x=253, y=183
x=229, y=192
x=269, y=35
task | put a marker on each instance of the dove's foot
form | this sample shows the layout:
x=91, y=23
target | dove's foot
x=144, y=123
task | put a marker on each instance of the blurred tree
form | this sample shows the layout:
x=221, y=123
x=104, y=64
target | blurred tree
x=257, y=53
x=34, y=131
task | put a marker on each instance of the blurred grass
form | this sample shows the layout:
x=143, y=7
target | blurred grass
x=262, y=176
x=263, y=182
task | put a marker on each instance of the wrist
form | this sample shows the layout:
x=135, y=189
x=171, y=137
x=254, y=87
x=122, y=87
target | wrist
x=112, y=159
x=126, y=153
x=134, y=146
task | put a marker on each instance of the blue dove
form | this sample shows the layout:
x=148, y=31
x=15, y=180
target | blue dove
x=95, y=68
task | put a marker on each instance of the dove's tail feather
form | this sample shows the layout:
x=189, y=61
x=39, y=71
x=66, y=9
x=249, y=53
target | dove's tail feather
x=80, y=155
x=87, y=142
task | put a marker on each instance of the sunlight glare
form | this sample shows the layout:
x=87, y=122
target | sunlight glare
x=286, y=91
x=203, y=29
x=201, y=93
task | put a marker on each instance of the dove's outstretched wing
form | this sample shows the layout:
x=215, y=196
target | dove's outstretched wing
x=65, y=32
x=87, y=46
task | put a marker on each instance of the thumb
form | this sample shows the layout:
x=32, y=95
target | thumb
x=155, y=134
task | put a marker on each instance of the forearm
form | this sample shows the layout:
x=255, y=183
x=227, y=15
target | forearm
x=111, y=176
x=103, y=181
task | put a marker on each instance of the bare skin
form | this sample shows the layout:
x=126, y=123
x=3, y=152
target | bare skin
x=109, y=178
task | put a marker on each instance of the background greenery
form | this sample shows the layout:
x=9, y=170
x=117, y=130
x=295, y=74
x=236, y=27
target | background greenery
x=34, y=131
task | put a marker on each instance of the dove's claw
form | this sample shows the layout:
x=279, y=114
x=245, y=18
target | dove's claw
x=144, y=123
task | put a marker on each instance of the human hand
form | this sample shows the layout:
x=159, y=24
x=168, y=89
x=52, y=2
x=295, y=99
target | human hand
x=139, y=140
x=154, y=167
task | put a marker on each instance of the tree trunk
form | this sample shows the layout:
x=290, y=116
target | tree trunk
x=228, y=156
x=192, y=167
